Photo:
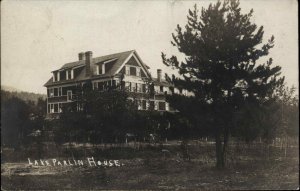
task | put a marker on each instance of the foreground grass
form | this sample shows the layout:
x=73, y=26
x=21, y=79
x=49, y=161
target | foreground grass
x=149, y=168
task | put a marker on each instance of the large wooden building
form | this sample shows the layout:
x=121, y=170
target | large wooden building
x=108, y=70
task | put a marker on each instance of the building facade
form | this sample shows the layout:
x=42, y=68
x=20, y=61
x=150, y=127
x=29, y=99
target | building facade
x=110, y=70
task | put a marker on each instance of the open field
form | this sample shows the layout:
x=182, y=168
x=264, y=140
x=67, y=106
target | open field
x=252, y=167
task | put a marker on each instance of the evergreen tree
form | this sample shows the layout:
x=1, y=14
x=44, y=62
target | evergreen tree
x=222, y=48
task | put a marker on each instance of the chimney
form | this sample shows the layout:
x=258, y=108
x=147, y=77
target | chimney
x=88, y=62
x=81, y=56
x=159, y=75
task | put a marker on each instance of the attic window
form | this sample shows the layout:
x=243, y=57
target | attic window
x=70, y=74
x=133, y=71
x=54, y=76
x=100, y=69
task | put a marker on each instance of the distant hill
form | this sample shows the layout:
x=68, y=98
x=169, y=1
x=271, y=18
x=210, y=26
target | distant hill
x=8, y=92
x=10, y=89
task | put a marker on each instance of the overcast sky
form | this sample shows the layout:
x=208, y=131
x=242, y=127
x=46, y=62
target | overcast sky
x=40, y=36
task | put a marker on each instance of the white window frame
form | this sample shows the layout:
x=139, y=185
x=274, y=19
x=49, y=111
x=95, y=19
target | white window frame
x=156, y=105
x=127, y=70
x=59, y=107
x=138, y=72
x=60, y=91
x=54, y=77
x=103, y=68
x=139, y=87
x=97, y=70
x=51, y=92
x=51, y=108
x=67, y=74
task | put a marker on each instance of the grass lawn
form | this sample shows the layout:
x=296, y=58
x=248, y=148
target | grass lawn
x=149, y=168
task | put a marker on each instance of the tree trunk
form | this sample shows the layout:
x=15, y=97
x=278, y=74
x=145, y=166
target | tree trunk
x=221, y=147
x=226, y=137
x=219, y=151
x=286, y=146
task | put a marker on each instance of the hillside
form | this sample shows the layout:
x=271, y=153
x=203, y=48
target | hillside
x=8, y=92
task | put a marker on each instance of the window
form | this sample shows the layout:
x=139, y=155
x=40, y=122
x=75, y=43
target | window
x=54, y=76
x=51, y=108
x=55, y=108
x=139, y=87
x=139, y=104
x=55, y=91
x=60, y=107
x=133, y=71
x=128, y=86
x=162, y=106
x=62, y=75
x=100, y=68
x=133, y=87
x=69, y=95
x=51, y=92
x=161, y=88
x=70, y=74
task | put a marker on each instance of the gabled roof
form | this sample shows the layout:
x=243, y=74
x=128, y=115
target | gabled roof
x=118, y=61
x=120, y=56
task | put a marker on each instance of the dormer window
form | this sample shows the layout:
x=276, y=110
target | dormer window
x=100, y=69
x=69, y=74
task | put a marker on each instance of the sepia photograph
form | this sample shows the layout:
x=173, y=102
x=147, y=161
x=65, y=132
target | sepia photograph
x=149, y=95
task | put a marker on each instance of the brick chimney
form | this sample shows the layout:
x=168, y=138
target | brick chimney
x=81, y=56
x=159, y=75
x=88, y=62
